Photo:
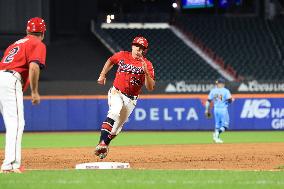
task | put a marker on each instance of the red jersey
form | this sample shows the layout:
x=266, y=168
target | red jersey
x=130, y=76
x=18, y=56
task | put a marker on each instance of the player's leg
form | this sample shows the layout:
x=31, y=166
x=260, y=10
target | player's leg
x=102, y=149
x=126, y=111
x=115, y=106
x=216, y=134
x=115, y=103
x=20, y=108
x=12, y=111
x=2, y=95
x=224, y=124
x=116, y=126
x=224, y=121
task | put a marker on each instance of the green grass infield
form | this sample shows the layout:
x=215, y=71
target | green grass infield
x=90, y=139
x=142, y=179
x=138, y=179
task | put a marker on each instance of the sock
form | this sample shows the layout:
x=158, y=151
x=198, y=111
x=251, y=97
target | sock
x=106, y=135
x=221, y=130
x=217, y=133
x=109, y=138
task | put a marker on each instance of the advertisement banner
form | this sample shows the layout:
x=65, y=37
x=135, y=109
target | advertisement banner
x=156, y=113
x=263, y=114
x=245, y=87
x=162, y=87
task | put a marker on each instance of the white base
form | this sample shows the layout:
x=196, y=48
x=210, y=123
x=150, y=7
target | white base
x=103, y=165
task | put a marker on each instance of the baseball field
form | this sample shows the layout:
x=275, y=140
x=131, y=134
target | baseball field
x=157, y=160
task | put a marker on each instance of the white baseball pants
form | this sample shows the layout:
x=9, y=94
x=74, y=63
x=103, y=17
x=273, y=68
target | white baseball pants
x=12, y=110
x=120, y=108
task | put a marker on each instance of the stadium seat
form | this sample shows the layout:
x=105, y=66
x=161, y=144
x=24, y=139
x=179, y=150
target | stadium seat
x=172, y=59
x=250, y=45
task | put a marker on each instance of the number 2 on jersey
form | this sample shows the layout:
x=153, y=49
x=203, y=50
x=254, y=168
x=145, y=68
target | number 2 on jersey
x=10, y=57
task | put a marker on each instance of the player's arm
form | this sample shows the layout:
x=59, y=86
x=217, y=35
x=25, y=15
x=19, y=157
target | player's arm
x=208, y=102
x=207, y=105
x=149, y=81
x=230, y=98
x=107, y=67
x=207, y=108
x=34, y=71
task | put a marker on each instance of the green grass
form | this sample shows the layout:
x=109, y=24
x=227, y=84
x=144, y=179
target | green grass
x=138, y=179
x=90, y=139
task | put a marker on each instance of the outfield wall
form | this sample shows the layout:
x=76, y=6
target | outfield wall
x=155, y=112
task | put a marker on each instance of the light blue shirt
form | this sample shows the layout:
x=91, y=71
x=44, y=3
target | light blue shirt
x=220, y=97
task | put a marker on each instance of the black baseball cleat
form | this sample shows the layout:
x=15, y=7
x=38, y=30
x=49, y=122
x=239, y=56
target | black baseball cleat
x=101, y=150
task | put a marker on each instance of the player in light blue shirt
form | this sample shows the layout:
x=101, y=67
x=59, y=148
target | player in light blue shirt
x=221, y=98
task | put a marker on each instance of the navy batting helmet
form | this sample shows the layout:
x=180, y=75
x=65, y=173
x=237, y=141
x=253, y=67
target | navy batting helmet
x=220, y=80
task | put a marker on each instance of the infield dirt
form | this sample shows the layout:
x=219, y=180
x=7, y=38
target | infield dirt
x=260, y=156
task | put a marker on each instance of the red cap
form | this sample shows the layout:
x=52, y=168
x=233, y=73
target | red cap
x=36, y=25
x=141, y=41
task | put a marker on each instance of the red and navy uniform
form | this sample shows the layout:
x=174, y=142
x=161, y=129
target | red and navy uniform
x=20, y=54
x=130, y=76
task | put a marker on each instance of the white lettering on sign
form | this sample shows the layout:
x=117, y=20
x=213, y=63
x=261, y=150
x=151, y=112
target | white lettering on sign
x=166, y=114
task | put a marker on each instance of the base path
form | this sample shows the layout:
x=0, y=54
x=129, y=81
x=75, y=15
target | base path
x=260, y=156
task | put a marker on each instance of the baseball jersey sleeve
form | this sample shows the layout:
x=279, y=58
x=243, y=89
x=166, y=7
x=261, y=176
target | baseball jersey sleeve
x=210, y=96
x=228, y=94
x=116, y=57
x=37, y=54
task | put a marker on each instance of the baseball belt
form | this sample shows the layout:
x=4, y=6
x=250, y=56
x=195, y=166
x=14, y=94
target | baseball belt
x=127, y=95
x=14, y=73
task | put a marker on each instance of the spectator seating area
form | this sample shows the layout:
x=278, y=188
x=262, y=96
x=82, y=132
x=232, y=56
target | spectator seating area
x=75, y=59
x=153, y=17
x=172, y=59
x=250, y=45
x=277, y=29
